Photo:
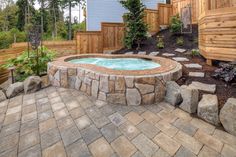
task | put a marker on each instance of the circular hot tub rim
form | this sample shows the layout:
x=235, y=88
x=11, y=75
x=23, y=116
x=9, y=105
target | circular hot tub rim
x=114, y=86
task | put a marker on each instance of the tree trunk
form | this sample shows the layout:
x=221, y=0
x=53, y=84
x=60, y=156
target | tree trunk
x=70, y=29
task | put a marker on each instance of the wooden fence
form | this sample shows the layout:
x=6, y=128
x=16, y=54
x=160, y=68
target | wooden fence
x=152, y=19
x=217, y=34
x=165, y=12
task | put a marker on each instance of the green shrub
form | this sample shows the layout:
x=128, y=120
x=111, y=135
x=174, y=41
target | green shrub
x=180, y=41
x=136, y=28
x=160, y=42
x=27, y=65
x=175, y=24
x=195, y=52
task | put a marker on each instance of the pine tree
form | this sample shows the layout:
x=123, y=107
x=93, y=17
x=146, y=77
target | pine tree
x=136, y=29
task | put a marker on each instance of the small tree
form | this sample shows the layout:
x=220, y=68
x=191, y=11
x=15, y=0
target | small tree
x=136, y=29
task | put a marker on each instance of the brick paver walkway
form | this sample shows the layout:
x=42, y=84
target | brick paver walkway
x=62, y=122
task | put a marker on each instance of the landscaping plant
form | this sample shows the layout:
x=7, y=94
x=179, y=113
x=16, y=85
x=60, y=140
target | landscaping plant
x=27, y=65
x=226, y=72
x=175, y=24
x=195, y=52
x=180, y=41
x=136, y=28
x=160, y=42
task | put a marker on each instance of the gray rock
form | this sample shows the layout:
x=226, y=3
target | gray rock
x=104, y=84
x=15, y=89
x=129, y=81
x=142, y=53
x=129, y=53
x=173, y=95
x=196, y=74
x=210, y=88
x=228, y=116
x=95, y=85
x=145, y=88
x=32, y=84
x=154, y=53
x=116, y=98
x=78, y=83
x=190, y=99
x=208, y=109
x=2, y=96
x=133, y=97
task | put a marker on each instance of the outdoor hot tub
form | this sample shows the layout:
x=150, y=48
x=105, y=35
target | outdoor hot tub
x=117, y=79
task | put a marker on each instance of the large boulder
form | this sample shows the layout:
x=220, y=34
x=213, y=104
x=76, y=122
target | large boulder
x=190, y=99
x=210, y=88
x=208, y=109
x=228, y=116
x=15, y=89
x=173, y=95
x=2, y=96
x=32, y=84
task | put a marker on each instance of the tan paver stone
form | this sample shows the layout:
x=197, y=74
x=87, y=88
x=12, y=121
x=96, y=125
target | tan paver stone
x=148, y=129
x=3, y=109
x=208, y=152
x=134, y=118
x=4, y=103
x=208, y=140
x=189, y=142
x=228, y=151
x=30, y=101
x=72, y=105
x=182, y=114
x=28, y=140
x=28, y=109
x=167, y=128
x=46, y=125
x=145, y=145
x=13, y=110
x=166, y=143
x=55, y=100
x=225, y=137
x=77, y=149
x=12, y=118
x=206, y=127
x=10, y=129
x=9, y=142
x=34, y=151
x=57, y=106
x=29, y=117
x=65, y=123
x=168, y=116
x=77, y=112
x=101, y=148
x=9, y=153
x=129, y=130
x=61, y=113
x=151, y=117
x=56, y=150
x=53, y=94
x=123, y=147
x=161, y=153
x=83, y=122
x=166, y=106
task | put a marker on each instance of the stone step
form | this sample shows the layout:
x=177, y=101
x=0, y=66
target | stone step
x=168, y=54
x=154, y=53
x=180, y=59
x=193, y=66
x=129, y=53
x=180, y=50
x=211, y=88
x=142, y=53
x=196, y=74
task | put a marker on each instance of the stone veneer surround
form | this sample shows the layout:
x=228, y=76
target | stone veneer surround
x=115, y=86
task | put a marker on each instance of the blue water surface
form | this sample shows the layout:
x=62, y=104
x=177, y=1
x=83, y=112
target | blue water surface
x=118, y=63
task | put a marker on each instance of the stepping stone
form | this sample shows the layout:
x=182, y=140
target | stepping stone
x=211, y=88
x=129, y=53
x=180, y=59
x=196, y=74
x=142, y=53
x=208, y=109
x=180, y=50
x=193, y=66
x=168, y=54
x=154, y=53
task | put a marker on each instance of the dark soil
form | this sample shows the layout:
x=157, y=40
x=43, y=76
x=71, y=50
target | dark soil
x=224, y=91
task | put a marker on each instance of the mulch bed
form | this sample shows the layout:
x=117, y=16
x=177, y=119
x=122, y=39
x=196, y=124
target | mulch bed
x=224, y=91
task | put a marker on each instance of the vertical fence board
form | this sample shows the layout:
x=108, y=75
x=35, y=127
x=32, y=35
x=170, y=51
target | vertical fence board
x=165, y=13
x=151, y=18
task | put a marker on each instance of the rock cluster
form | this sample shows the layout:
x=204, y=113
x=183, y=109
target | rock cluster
x=115, y=89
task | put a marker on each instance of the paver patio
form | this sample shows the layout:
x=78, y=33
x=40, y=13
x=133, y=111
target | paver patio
x=57, y=122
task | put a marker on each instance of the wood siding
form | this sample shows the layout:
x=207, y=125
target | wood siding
x=217, y=34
